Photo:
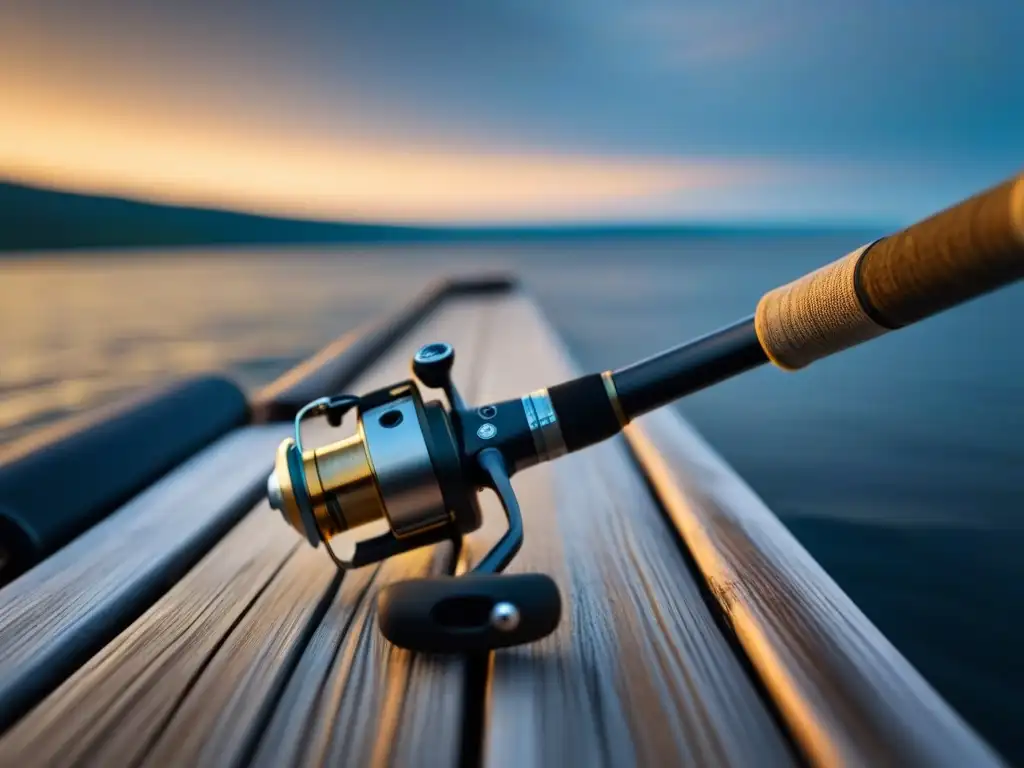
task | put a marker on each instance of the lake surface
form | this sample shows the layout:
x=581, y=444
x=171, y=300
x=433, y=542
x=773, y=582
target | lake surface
x=900, y=465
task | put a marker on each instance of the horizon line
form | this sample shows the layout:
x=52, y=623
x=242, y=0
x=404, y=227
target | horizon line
x=774, y=222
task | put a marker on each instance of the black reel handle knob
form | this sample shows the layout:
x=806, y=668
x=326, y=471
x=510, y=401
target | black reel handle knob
x=433, y=363
x=471, y=613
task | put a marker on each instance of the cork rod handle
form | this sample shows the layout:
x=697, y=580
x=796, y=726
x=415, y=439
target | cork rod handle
x=960, y=253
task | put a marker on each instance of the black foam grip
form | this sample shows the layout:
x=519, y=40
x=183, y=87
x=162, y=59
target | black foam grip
x=585, y=413
x=62, y=483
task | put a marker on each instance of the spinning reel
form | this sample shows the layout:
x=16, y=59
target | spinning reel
x=410, y=475
x=408, y=478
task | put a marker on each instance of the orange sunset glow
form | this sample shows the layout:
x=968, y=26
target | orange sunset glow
x=345, y=180
x=658, y=112
x=119, y=140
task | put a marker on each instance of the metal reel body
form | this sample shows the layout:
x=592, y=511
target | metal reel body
x=409, y=478
x=402, y=468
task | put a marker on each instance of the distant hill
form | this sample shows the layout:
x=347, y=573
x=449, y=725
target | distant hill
x=32, y=218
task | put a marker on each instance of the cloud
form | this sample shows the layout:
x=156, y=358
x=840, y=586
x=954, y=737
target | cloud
x=681, y=37
x=811, y=90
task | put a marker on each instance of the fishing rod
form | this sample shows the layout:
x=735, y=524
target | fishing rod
x=409, y=476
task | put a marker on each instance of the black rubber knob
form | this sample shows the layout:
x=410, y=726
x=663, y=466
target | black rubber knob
x=433, y=363
x=471, y=613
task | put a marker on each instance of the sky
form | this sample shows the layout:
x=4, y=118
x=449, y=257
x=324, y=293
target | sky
x=518, y=111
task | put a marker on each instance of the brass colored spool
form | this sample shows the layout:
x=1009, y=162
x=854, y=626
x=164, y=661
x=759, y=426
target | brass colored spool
x=342, y=491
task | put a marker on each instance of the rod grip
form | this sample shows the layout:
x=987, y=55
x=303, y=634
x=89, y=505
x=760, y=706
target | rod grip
x=960, y=253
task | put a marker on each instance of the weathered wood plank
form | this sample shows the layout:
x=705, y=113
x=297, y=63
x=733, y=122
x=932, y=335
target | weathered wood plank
x=354, y=699
x=112, y=710
x=221, y=718
x=345, y=705
x=287, y=738
x=196, y=678
x=638, y=672
x=62, y=611
x=847, y=694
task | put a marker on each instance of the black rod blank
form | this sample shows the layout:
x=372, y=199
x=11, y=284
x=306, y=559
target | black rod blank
x=682, y=370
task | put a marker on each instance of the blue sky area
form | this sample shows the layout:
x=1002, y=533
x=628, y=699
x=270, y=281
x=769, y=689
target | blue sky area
x=519, y=110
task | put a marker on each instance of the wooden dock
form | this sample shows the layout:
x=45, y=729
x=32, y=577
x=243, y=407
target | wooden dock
x=191, y=626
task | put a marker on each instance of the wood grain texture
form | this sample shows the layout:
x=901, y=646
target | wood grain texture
x=355, y=699
x=224, y=712
x=112, y=710
x=196, y=679
x=957, y=254
x=638, y=672
x=345, y=703
x=846, y=693
x=287, y=737
x=62, y=611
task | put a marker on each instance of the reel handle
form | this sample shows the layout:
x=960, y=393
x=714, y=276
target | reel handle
x=478, y=612
x=482, y=610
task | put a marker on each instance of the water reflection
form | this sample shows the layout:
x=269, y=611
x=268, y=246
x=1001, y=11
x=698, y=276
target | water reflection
x=79, y=332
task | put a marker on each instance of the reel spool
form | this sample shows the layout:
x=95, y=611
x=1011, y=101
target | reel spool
x=409, y=478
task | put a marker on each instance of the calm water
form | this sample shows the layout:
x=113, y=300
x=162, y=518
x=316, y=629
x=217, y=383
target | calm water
x=900, y=465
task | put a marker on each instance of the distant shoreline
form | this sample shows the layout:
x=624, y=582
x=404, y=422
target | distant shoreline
x=34, y=220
